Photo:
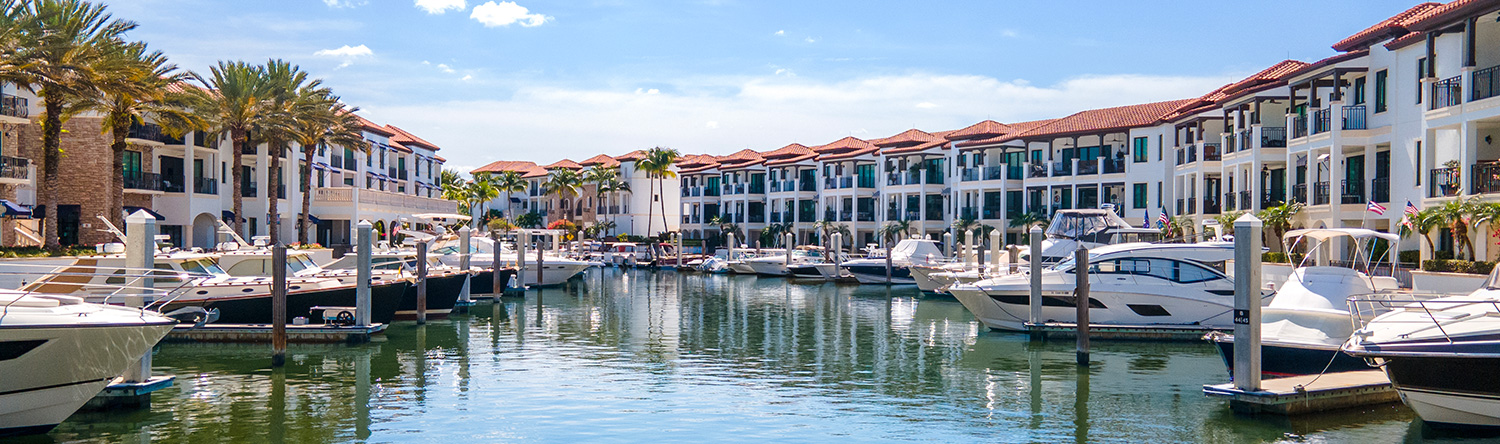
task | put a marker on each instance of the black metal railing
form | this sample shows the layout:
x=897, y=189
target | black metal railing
x=830, y=215
x=1245, y=202
x=1113, y=166
x=1181, y=156
x=143, y=181
x=14, y=106
x=1447, y=92
x=15, y=167
x=148, y=131
x=1299, y=193
x=1354, y=117
x=1380, y=189
x=864, y=216
x=892, y=214
x=1443, y=182
x=1037, y=170
x=1320, y=121
x=1487, y=177
x=1088, y=167
x=1192, y=205
x=808, y=185
x=201, y=139
x=1484, y=84
x=1063, y=168
x=1299, y=126
x=1181, y=204
x=1320, y=193
x=1211, y=152
x=1273, y=137
x=1192, y=154
x=1229, y=201
x=1229, y=143
x=248, y=189
x=1351, y=192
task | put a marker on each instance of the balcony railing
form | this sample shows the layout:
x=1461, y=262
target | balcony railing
x=846, y=182
x=152, y=132
x=913, y=215
x=970, y=174
x=864, y=216
x=143, y=181
x=1181, y=156
x=1273, y=137
x=1320, y=193
x=1211, y=152
x=405, y=203
x=1484, y=84
x=1354, y=117
x=1380, y=189
x=1299, y=126
x=1113, y=166
x=1320, y=121
x=757, y=218
x=892, y=214
x=1443, y=182
x=15, y=168
x=1000, y=172
x=1037, y=170
x=1088, y=167
x=990, y=213
x=1487, y=177
x=968, y=213
x=1299, y=193
x=1192, y=154
x=830, y=183
x=1192, y=205
x=1352, y=192
x=13, y=106
x=914, y=177
x=757, y=189
x=1447, y=92
x=1063, y=168
x=248, y=189
x=1181, y=206
x=1229, y=201
x=1245, y=203
x=830, y=215
x=1230, y=143
x=776, y=218
x=846, y=216
x=808, y=185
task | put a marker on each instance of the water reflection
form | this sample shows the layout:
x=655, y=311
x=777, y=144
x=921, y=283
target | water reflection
x=636, y=355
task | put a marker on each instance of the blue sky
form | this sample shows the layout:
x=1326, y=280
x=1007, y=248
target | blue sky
x=543, y=80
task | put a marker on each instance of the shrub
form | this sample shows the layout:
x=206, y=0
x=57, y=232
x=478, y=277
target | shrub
x=1442, y=254
x=1409, y=256
x=1281, y=258
x=1457, y=266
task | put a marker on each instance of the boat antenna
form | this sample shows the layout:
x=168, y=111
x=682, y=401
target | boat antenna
x=109, y=227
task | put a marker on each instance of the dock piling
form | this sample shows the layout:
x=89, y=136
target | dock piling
x=539, y=263
x=364, y=231
x=1015, y=259
x=421, y=283
x=278, y=305
x=730, y=238
x=948, y=244
x=789, y=240
x=969, y=250
x=140, y=254
x=837, y=244
x=1036, y=275
x=678, y=236
x=1247, y=283
x=1081, y=302
x=995, y=247
x=521, y=238
x=464, y=296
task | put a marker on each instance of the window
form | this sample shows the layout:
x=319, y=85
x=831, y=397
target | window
x=1158, y=148
x=1380, y=80
x=1138, y=194
x=1140, y=149
x=1359, y=91
x=132, y=164
x=1158, y=191
x=1421, y=73
x=1419, y=163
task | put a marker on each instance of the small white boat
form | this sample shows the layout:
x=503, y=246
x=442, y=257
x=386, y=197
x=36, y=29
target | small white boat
x=777, y=265
x=906, y=253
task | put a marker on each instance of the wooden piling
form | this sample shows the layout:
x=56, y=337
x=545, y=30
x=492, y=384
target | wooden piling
x=363, y=269
x=1247, y=284
x=421, y=283
x=1036, y=275
x=1081, y=302
x=278, y=305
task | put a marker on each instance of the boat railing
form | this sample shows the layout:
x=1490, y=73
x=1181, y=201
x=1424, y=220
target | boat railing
x=1366, y=307
x=122, y=283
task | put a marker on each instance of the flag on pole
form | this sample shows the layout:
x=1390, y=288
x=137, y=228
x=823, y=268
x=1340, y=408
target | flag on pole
x=1147, y=222
x=1411, y=210
x=1161, y=222
x=1375, y=208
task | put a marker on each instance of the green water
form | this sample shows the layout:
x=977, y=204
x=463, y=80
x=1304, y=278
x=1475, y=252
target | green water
x=633, y=356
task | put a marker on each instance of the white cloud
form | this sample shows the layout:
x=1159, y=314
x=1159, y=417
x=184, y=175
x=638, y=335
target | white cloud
x=445, y=68
x=711, y=124
x=345, y=3
x=927, y=105
x=781, y=33
x=811, y=40
x=647, y=91
x=345, y=51
x=1009, y=33
x=440, y=6
x=799, y=110
x=467, y=77
x=785, y=72
x=493, y=14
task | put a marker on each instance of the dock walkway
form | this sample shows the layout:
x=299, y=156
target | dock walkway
x=1309, y=393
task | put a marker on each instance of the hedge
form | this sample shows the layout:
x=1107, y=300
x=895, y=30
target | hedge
x=1457, y=266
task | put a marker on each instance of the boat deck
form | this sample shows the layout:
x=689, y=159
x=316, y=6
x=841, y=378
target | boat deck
x=1309, y=393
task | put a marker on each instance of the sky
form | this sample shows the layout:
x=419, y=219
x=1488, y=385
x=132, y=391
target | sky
x=545, y=80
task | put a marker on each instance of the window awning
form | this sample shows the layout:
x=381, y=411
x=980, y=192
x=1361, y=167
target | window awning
x=132, y=210
x=227, y=216
x=13, y=209
x=314, y=219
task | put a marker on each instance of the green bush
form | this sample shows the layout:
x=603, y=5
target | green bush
x=1409, y=256
x=1457, y=266
x=1277, y=257
x=23, y=252
x=1442, y=254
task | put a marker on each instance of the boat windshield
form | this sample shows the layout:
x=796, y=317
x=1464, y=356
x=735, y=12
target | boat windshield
x=1493, y=282
x=203, y=266
x=1082, y=224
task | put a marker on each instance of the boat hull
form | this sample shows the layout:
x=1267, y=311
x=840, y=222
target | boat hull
x=442, y=294
x=385, y=298
x=768, y=268
x=68, y=365
x=1449, y=390
x=922, y=276
x=875, y=274
x=1011, y=309
x=1284, y=359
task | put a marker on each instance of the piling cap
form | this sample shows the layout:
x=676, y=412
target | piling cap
x=139, y=217
x=364, y=224
x=1247, y=220
x=464, y=230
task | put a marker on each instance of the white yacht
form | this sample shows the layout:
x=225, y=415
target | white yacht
x=906, y=253
x=1130, y=284
x=1307, y=321
x=1091, y=228
x=57, y=352
x=777, y=264
x=555, y=269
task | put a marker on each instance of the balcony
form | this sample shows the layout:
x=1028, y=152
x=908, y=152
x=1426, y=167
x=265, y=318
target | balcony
x=1001, y=172
x=1447, y=92
x=913, y=215
x=1192, y=154
x=933, y=214
x=830, y=183
x=1088, y=167
x=892, y=214
x=968, y=213
x=846, y=182
x=914, y=177
x=1443, y=182
x=1353, y=118
x=13, y=106
x=393, y=202
x=776, y=218
x=1380, y=189
x=248, y=189
x=1037, y=170
x=1245, y=203
x=1320, y=193
x=864, y=216
x=1192, y=205
x=1060, y=169
x=808, y=185
x=1320, y=121
x=1299, y=127
x=710, y=191
x=739, y=188
x=1273, y=137
x=757, y=189
x=143, y=181
x=830, y=215
x=994, y=213
x=1299, y=193
x=1211, y=152
x=970, y=174
x=757, y=218
x=1229, y=201
x=1351, y=192
x=846, y=216
x=1230, y=143
x=16, y=168
x=1484, y=84
x=1181, y=156
x=152, y=133
x=1487, y=177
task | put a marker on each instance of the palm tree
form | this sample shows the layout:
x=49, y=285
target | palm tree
x=509, y=182
x=449, y=177
x=235, y=100
x=61, y=54
x=481, y=190
x=455, y=189
x=1279, y=218
x=603, y=228
x=564, y=183
x=657, y=164
x=1226, y=220
x=322, y=121
x=771, y=235
x=602, y=177
x=1025, y=221
x=530, y=219
x=1424, y=222
x=138, y=86
x=894, y=231
x=1456, y=215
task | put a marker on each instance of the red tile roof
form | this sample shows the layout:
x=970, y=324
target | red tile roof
x=519, y=166
x=399, y=147
x=535, y=172
x=633, y=155
x=1094, y=120
x=906, y=138
x=565, y=163
x=1404, y=41
x=981, y=130
x=791, y=160
x=844, y=148
x=407, y=138
x=696, y=159
x=744, y=158
x=372, y=127
x=606, y=161
x=1330, y=61
x=940, y=143
x=1448, y=13
x=1388, y=28
x=793, y=150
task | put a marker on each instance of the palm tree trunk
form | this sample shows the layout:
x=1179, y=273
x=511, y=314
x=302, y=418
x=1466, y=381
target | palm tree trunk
x=307, y=158
x=51, y=155
x=650, y=211
x=273, y=191
x=237, y=142
x=117, y=177
x=662, y=201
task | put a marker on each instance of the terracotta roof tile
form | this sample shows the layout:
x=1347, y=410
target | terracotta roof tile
x=791, y=160
x=535, y=172
x=1404, y=41
x=906, y=138
x=519, y=166
x=981, y=130
x=1395, y=26
x=398, y=146
x=565, y=163
x=633, y=155
x=1447, y=13
x=407, y=138
x=695, y=160
x=940, y=143
x=741, y=159
x=606, y=161
x=793, y=150
x=372, y=127
x=1095, y=120
x=844, y=144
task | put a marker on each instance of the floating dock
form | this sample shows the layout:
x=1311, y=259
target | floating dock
x=1309, y=393
x=1061, y=330
x=262, y=333
x=121, y=394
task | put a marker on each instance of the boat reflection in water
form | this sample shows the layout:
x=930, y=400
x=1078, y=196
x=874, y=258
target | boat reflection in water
x=639, y=355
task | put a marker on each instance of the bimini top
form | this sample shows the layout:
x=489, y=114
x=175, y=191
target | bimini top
x=1323, y=234
x=1074, y=224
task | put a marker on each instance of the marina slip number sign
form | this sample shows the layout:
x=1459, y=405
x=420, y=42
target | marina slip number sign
x=1242, y=317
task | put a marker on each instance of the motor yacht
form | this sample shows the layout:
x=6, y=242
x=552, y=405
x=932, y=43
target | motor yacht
x=555, y=269
x=57, y=352
x=778, y=264
x=1090, y=228
x=907, y=252
x=444, y=283
x=1129, y=284
x=1307, y=321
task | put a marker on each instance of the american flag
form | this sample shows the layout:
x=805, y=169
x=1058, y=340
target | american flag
x=1411, y=210
x=1162, y=220
x=1376, y=208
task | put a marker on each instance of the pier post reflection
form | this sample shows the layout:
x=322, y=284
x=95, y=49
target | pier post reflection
x=1081, y=407
x=362, y=419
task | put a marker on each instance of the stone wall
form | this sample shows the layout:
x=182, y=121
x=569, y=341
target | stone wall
x=84, y=172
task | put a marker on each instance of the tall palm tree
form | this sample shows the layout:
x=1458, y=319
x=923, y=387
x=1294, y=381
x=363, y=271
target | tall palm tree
x=657, y=164
x=509, y=182
x=322, y=121
x=234, y=101
x=1279, y=218
x=894, y=231
x=138, y=86
x=291, y=90
x=449, y=177
x=1423, y=222
x=1456, y=216
x=563, y=183
x=602, y=178
x=1025, y=221
x=480, y=190
x=61, y=52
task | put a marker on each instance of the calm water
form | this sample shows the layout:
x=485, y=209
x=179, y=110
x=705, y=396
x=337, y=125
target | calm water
x=635, y=356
